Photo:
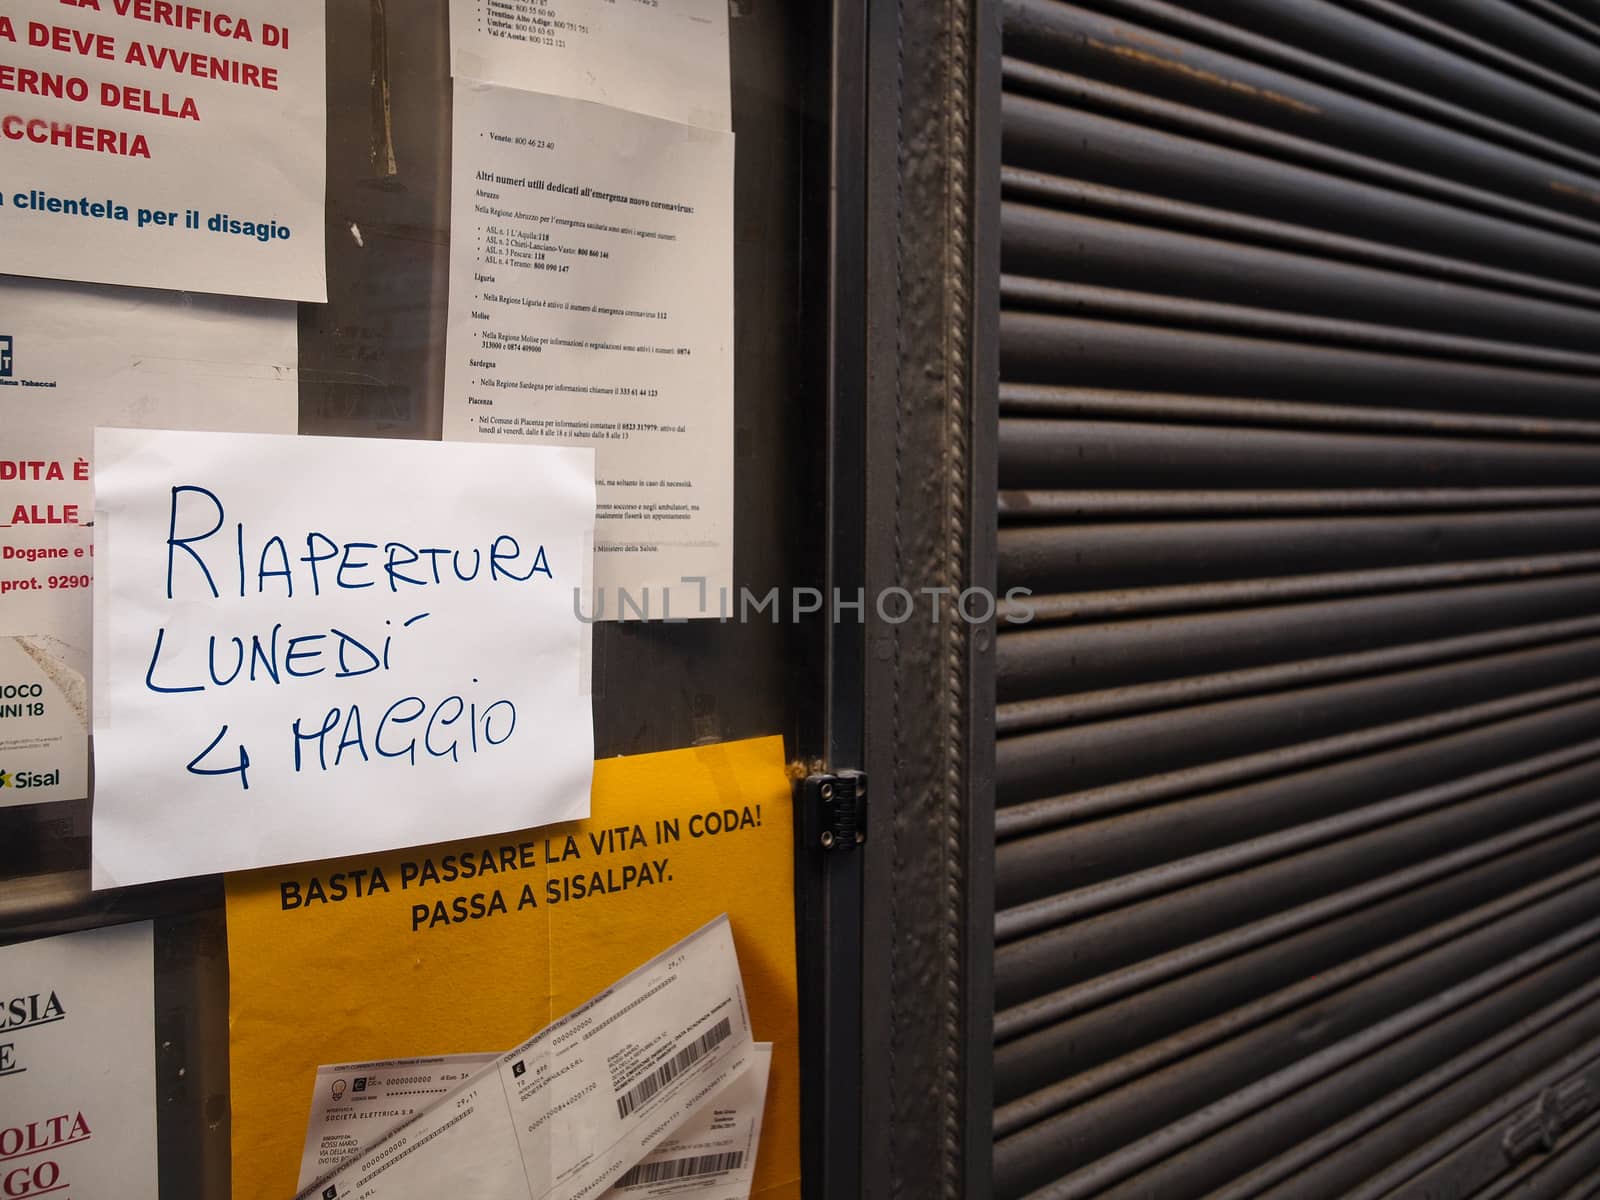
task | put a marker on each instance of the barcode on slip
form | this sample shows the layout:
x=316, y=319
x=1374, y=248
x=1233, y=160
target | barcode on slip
x=670, y=1070
x=681, y=1168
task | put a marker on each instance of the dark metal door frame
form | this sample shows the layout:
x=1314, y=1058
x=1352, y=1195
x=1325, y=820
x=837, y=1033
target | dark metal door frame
x=914, y=169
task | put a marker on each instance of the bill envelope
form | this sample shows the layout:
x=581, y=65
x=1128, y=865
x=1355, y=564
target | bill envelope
x=576, y=1109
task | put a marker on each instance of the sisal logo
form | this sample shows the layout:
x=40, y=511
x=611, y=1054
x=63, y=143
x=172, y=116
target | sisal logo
x=22, y=780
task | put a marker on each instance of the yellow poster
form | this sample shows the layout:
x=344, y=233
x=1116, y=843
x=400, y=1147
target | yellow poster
x=471, y=947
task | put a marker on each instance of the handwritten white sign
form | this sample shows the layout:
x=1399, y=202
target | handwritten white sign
x=315, y=647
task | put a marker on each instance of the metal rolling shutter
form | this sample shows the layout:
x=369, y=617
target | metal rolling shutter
x=1298, y=862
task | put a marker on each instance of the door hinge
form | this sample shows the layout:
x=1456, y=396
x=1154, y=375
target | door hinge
x=835, y=810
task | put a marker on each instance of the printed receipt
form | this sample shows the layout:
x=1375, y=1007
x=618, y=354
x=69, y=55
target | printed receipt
x=564, y=1115
x=354, y=1105
x=711, y=1156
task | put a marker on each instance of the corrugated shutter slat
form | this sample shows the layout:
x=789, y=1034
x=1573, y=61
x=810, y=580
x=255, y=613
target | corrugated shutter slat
x=1298, y=863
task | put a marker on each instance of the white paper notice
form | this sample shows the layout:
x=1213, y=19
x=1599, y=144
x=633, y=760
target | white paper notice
x=166, y=145
x=591, y=304
x=663, y=58
x=356, y=1105
x=77, y=1065
x=566, y=1113
x=312, y=647
x=711, y=1156
x=73, y=356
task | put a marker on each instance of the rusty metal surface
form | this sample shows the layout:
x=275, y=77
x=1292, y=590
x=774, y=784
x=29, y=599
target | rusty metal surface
x=1297, y=758
x=931, y=261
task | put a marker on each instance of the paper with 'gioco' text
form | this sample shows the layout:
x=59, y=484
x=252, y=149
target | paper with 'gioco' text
x=73, y=357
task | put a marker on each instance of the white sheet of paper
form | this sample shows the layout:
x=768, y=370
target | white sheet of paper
x=166, y=145
x=382, y=629
x=356, y=1105
x=711, y=1156
x=77, y=1065
x=566, y=1113
x=663, y=58
x=73, y=356
x=591, y=303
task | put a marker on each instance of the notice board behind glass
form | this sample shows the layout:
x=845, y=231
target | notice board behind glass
x=372, y=365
